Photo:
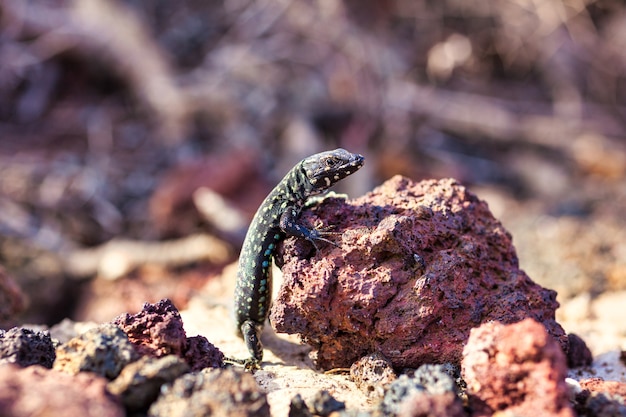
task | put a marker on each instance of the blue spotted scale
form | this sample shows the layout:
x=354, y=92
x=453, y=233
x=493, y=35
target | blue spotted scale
x=275, y=219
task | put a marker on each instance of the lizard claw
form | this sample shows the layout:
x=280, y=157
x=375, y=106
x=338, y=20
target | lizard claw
x=318, y=233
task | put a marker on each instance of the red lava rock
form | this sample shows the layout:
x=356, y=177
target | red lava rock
x=609, y=387
x=37, y=391
x=600, y=398
x=420, y=264
x=578, y=354
x=157, y=330
x=26, y=347
x=12, y=300
x=200, y=354
x=518, y=368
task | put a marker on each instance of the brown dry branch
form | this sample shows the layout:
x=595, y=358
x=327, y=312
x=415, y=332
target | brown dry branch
x=219, y=212
x=118, y=257
x=474, y=115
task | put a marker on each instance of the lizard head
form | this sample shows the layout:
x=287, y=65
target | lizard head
x=326, y=168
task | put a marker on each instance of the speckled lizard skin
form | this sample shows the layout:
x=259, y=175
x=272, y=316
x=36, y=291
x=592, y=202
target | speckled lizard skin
x=275, y=219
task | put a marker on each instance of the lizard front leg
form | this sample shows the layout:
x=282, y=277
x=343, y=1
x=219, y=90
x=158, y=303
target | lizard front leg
x=290, y=226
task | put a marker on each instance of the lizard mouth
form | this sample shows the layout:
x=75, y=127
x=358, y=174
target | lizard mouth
x=348, y=168
x=334, y=166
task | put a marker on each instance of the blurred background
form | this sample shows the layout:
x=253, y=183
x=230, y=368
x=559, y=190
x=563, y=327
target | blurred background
x=138, y=137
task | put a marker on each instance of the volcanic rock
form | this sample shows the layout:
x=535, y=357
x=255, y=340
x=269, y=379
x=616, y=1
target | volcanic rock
x=430, y=392
x=200, y=353
x=519, y=368
x=157, y=330
x=104, y=350
x=417, y=266
x=600, y=398
x=372, y=374
x=139, y=383
x=220, y=392
x=26, y=347
x=37, y=391
x=578, y=354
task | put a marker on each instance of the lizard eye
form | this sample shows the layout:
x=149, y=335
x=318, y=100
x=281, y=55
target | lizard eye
x=331, y=162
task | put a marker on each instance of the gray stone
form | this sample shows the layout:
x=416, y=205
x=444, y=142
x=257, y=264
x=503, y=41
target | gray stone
x=139, y=383
x=104, y=350
x=220, y=392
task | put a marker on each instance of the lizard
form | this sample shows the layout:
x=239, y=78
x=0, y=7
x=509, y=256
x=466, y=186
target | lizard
x=275, y=219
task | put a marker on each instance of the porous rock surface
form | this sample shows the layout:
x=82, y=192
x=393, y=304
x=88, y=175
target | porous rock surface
x=615, y=388
x=372, y=374
x=157, y=330
x=600, y=398
x=200, y=353
x=219, y=392
x=104, y=350
x=431, y=392
x=419, y=265
x=139, y=383
x=37, y=391
x=519, y=368
x=26, y=347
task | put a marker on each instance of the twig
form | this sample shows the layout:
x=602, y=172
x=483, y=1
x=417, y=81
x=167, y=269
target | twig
x=116, y=258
